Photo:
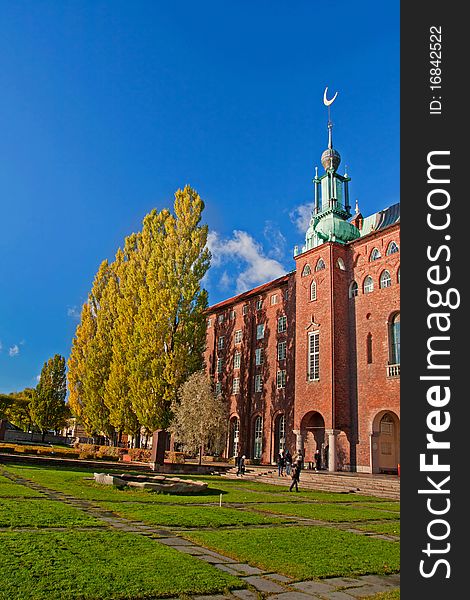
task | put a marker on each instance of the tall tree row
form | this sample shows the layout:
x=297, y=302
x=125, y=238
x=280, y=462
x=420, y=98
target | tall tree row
x=142, y=330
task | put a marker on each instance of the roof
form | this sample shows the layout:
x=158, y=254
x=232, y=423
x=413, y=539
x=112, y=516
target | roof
x=253, y=292
x=380, y=220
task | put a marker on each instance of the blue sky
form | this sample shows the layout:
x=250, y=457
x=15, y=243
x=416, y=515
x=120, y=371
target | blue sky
x=107, y=107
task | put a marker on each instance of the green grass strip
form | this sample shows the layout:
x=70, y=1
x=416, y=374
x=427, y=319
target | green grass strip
x=328, y=512
x=305, y=552
x=97, y=565
x=42, y=513
x=188, y=516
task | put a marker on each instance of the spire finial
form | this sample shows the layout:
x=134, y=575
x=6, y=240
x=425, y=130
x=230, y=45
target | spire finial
x=356, y=210
x=328, y=103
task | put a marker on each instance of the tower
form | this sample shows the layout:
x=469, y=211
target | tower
x=329, y=221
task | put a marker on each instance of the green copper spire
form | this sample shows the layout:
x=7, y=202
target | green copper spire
x=331, y=211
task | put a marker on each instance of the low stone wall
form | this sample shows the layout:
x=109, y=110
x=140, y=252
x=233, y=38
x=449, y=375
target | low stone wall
x=10, y=435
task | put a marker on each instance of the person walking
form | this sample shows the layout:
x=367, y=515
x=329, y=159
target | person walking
x=281, y=463
x=317, y=459
x=288, y=462
x=295, y=476
x=241, y=466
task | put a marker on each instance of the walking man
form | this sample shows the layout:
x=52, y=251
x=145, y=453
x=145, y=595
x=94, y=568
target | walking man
x=295, y=476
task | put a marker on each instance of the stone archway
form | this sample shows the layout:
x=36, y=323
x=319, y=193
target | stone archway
x=312, y=428
x=385, y=442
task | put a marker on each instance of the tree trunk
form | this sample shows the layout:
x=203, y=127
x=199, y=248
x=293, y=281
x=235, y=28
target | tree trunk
x=43, y=436
x=200, y=454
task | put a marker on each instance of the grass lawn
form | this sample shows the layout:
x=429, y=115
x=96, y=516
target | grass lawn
x=305, y=552
x=187, y=516
x=391, y=595
x=14, y=490
x=387, y=528
x=42, y=513
x=328, y=512
x=100, y=565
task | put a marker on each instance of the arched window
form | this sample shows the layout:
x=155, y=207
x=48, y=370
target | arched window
x=258, y=438
x=341, y=265
x=394, y=335
x=234, y=436
x=392, y=248
x=320, y=265
x=368, y=285
x=398, y=275
x=375, y=254
x=313, y=290
x=385, y=279
x=353, y=289
x=306, y=270
x=282, y=432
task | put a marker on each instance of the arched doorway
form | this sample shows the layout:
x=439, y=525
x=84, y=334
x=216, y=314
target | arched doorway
x=385, y=441
x=313, y=431
x=234, y=437
x=279, y=429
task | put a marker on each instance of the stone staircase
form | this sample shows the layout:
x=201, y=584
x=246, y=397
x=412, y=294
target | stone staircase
x=382, y=486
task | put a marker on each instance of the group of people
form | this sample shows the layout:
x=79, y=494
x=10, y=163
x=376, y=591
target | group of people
x=287, y=465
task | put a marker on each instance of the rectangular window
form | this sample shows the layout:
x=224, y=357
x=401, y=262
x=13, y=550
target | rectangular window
x=286, y=295
x=314, y=355
x=259, y=356
x=219, y=365
x=209, y=323
x=281, y=379
x=259, y=304
x=238, y=336
x=258, y=383
x=237, y=360
x=221, y=342
x=282, y=324
x=236, y=385
x=260, y=331
x=232, y=315
x=281, y=350
x=273, y=299
x=218, y=388
x=245, y=309
x=220, y=318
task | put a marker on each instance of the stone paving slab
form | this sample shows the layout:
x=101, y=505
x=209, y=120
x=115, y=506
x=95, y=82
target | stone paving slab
x=226, y=569
x=384, y=580
x=194, y=550
x=294, y=596
x=245, y=594
x=340, y=595
x=174, y=541
x=264, y=585
x=245, y=569
x=343, y=582
x=279, y=577
x=366, y=590
x=214, y=597
x=222, y=558
x=312, y=587
x=208, y=558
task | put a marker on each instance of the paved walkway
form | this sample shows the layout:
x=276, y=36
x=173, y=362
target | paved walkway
x=260, y=583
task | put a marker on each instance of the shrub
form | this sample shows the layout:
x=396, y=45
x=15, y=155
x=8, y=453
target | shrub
x=139, y=454
x=174, y=457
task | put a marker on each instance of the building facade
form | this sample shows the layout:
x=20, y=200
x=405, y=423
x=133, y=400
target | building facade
x=312, y=359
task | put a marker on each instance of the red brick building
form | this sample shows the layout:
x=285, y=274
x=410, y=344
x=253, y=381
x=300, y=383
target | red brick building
x=312, y=359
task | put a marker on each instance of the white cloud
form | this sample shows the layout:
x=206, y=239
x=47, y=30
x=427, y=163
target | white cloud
x=38, y=377
x=14, y=350
x=253, y=266
x=301, y=216
x=74, y=312
x=276, y=239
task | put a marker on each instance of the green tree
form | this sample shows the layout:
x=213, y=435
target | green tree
x=169, y=332
x=48, y=407
x=199, y=417
x=19, y=410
